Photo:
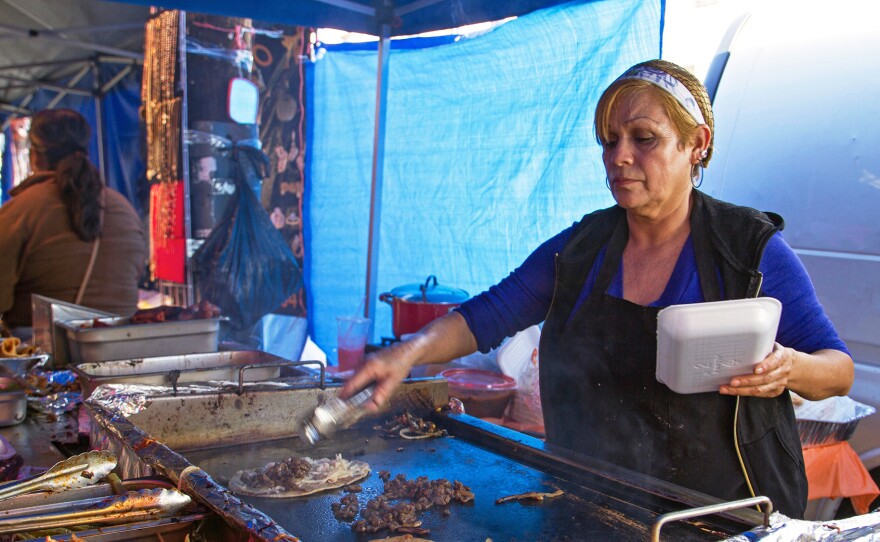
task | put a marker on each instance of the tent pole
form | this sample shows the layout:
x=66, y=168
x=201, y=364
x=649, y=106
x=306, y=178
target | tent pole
x=384, y=57
x=99, y=119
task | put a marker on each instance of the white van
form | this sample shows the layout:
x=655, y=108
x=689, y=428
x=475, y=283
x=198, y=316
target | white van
x=797, y=114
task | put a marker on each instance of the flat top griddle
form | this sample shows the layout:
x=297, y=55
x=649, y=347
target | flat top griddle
x=592, y=508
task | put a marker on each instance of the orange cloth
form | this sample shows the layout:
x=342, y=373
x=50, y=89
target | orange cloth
x=835, y=471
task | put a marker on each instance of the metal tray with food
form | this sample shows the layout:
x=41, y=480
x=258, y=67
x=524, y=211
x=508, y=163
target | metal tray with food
x=188, y=368
x=47, y=314
x=105, y=339
x=57, y=514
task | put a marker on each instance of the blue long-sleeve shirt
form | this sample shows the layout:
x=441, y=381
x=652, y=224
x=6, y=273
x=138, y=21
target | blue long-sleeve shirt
x=523, y=298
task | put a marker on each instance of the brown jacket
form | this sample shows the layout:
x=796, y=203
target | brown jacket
x=41, y=254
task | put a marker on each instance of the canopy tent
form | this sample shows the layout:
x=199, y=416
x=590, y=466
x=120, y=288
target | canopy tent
x=84, y=55
x=374, y=17
x=47, y=44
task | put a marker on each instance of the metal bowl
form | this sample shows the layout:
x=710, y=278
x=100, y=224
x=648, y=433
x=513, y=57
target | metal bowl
x=18, y=367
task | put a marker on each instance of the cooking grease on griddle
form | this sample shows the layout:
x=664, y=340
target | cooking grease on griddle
x=332, y=414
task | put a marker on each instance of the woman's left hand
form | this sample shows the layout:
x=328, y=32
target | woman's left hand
x=769, y=379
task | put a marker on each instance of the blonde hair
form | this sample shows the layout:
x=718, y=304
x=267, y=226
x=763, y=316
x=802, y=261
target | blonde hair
x=684, y=123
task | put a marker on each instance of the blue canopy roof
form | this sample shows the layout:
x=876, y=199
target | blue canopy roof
x=365, y=16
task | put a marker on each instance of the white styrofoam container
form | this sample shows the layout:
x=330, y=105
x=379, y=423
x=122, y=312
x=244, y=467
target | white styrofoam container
x=701, y=346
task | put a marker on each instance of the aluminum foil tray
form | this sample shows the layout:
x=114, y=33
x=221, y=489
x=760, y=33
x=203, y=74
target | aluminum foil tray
x=814, y=433
x=119, y=339
x=830, y=420
x=173, y=370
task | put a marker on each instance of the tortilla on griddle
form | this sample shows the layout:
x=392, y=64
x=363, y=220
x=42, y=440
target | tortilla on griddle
x=324, y=474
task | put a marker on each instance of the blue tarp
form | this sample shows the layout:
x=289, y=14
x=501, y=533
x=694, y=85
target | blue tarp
x=489, y=151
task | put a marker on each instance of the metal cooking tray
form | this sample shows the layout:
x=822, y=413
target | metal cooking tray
x=47, y=314
x=222, y=433
x=170, y=529
x=122, y=340
x=173, y=370
x=592, y=508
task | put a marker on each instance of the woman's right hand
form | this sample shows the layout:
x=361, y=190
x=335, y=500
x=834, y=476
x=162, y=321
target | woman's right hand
x=386, y=368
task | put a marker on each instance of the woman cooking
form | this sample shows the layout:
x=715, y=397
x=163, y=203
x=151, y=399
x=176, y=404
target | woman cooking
x=599, y=285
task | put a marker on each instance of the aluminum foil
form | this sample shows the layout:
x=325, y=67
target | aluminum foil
x=128, y=464
x=56, y=403
x=864, y=528
x=63, y=399
x=129, y=399
x=122, y=398
x=832, y=410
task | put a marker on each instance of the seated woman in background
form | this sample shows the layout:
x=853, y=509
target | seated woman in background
x=63, y=234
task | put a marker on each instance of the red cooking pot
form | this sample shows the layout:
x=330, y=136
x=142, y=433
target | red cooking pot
x=414, y=305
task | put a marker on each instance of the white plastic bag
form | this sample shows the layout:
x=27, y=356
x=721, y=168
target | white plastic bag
x=518, y=359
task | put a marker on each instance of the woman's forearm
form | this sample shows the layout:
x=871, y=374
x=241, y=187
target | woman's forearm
x=822, y=374
x=442, y=340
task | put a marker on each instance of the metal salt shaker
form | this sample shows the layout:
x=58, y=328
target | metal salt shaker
x=333, y=414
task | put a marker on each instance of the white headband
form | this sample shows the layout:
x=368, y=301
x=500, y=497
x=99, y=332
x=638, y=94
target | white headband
x=670, y=84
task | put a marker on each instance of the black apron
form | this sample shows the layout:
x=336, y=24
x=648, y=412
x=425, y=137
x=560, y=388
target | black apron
x=601, y=397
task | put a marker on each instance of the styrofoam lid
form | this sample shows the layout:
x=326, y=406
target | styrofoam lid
x=477, y=379
x=701, y=346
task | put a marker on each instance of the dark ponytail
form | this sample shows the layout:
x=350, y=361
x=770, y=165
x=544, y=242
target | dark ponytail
x=81, y=185
x=59, y=138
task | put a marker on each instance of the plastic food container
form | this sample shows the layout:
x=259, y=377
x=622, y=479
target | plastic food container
x=701, y=346
x=117, y=339
x=485, y=394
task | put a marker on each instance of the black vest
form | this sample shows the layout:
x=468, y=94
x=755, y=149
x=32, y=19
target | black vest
x=597, y=372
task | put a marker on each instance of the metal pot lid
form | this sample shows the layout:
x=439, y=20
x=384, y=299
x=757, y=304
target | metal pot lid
x=430, y=292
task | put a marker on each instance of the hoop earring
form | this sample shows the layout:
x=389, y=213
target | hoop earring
x=697, y=175
x=607, y=182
